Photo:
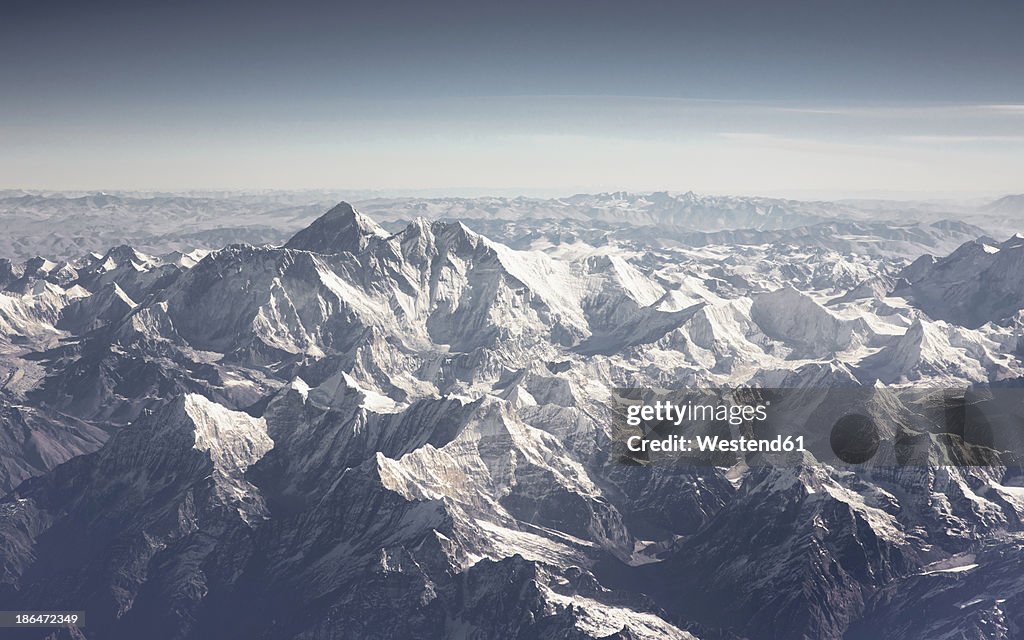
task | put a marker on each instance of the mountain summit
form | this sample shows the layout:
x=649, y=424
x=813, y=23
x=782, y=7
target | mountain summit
x=340, y=229
x=982, y=281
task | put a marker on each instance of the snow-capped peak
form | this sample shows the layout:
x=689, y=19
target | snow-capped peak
x=340, y=229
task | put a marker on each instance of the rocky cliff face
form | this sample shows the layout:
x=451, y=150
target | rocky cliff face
x=979, y=282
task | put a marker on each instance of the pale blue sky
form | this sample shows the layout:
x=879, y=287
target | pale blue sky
x=722, y=97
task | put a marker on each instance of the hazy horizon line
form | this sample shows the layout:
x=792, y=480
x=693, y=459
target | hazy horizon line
x=513, y=192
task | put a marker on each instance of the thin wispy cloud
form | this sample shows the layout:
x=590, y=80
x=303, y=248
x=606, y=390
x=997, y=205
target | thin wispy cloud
x=955, y=139
x=907, y=111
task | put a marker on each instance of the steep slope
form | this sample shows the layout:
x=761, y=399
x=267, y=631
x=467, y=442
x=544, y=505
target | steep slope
x=796, y=319
x=979, y=282
x=31, y=317
x=1010, y=204
x=941, y=352
x=340, y=229
x=33, y=441
x=158, y=495
x=108, y=305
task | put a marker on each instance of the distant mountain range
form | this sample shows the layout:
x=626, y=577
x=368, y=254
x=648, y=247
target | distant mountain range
x=66, y=226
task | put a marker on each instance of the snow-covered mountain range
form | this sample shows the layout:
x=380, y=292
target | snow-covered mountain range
x=366, y=431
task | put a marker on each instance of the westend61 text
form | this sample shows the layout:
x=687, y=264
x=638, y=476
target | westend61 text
x=712, y=444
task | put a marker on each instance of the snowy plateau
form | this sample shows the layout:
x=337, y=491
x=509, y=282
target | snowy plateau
x=239, y=417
